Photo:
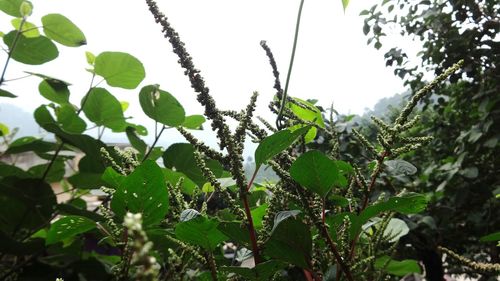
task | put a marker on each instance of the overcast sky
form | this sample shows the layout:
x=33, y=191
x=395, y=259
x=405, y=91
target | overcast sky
x=332, y=64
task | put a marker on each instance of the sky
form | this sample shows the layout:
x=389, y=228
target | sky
x=332, y=62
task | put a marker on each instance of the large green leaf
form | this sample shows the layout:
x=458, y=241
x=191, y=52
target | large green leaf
x=398, y=268
x=200, y=231
x=54, y=90
x=69, y=120
x=315, y=171
x=11, y=7
x=60, y=29
x=135, y=141
x=181, y=157
x=37, y=50
x=236, y=231
x=119, y=69
x=25, y=144
x=262, y=271
x=143, y=191
x=276, y=143
x=102, y=108
x=55, y=174
x=161, y=106
x=295, y=249
x=68, y=227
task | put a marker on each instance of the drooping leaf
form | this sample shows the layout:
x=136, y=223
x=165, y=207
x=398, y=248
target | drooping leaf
x=262, y=271
x=119, y=69
x=102, y=108
x=34, y=51
x=11, y=7
x=189, y=214
x=400, y=167
x=396, y=229
x=55, y=174
x=345, y=3
x=135, y=141
x=67, y=227
x=69, y=120
x=60, y=29
x=161, y=106
x=316, y=172
x=25, y=144
x=28, y=29
x=194, y=122
x=276, y=143
x=200, y=231
x=54, y=90
x=295, y=249
x=398, y=268
x=143, y=191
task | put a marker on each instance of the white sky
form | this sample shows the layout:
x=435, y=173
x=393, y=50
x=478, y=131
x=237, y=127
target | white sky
x=332, y=63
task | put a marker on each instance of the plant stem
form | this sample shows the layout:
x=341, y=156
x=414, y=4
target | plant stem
x=340, y=261
x=211, y=264
x=248, y=213
x=279, y=125
x=154, y=143
x=11, y=50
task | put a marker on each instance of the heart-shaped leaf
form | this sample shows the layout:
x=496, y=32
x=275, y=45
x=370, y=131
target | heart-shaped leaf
x=67, y=227
x=161, y=106
x=119, y=69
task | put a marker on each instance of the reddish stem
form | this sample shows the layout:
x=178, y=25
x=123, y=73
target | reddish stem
x=308, y=275
x=248, y=213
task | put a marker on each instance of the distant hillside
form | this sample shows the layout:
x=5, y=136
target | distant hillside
x=15, y=117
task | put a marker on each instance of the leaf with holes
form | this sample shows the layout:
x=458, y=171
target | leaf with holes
x=119, y=69
x=143, y=191
x=68, y=227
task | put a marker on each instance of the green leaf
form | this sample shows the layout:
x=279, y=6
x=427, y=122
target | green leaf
x=258, y=214
x=470, y=172
x=310, y=113
x=161, y=106
x=187, y=187
x=113, y=178
x=400, y=167
x=55, y=174
x=262, y=271
x=181, y=157
x=34, y=51
x=398, y=268
x=316, y=172
x=4, y=130
x=491, y=237
x=102, y=108
x=119, y=69
x=6, y=94
x=90, y=57
x=69, y=120
x=25, y=144
x=135, y=141
x=143, y=191
x=236, y=231
x=29, y=30
x=295, y=249
x=276, y=143
x=194, y=122
x=60, y=29
x=200, y=231
x=11, y=7
x=68, y=227
x=54, y=90
x=345, y=3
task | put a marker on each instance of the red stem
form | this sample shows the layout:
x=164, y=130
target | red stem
x=248, y=213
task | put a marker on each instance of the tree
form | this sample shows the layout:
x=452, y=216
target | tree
x=461, y=163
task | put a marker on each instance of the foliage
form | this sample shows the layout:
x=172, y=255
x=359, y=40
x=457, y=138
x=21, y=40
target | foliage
x=187, y=212
x=460, y=166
